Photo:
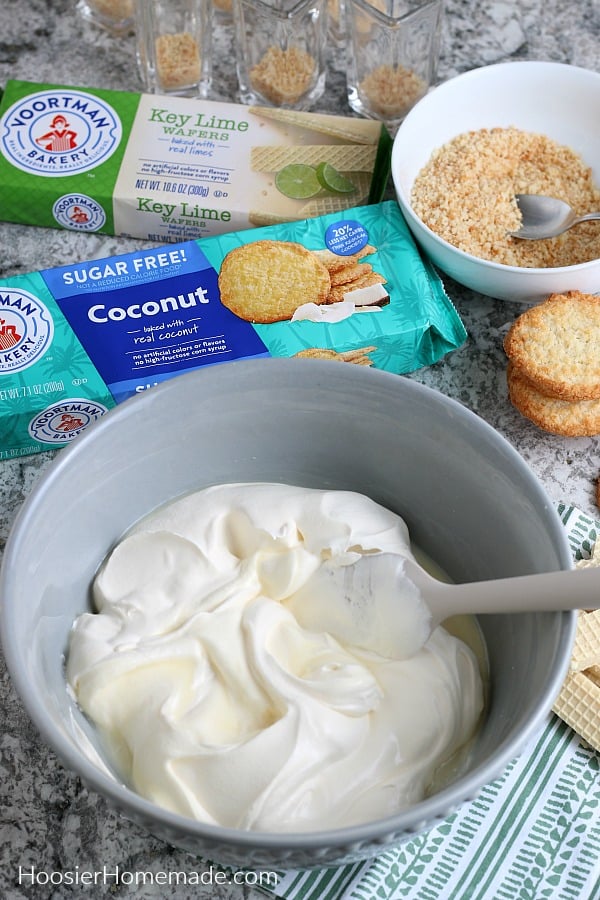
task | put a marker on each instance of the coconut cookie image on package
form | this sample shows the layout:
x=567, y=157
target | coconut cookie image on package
x=345, y=282
x=275, y=281
x=266, y=281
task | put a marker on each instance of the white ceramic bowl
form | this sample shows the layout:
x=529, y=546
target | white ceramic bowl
x=469, y=499
x=558, y=100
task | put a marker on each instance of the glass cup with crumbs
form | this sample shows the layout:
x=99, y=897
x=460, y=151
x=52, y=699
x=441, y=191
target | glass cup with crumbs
x=174, y=46
x=392, y=55
x=280, y=51
x=114, y=16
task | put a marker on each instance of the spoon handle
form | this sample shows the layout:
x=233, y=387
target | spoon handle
x=546, y=592
x=587, y=218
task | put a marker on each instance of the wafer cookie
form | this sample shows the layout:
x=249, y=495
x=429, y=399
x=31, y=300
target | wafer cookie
x=322, y=206
x=359, y=132
x=593, y=672
x=328, y=203
x=578, y=704
x=344, y=157
x=586, y=648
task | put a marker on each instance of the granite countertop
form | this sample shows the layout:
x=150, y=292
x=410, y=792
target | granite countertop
x=47, y=818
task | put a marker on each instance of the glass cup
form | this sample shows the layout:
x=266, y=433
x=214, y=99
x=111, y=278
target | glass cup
x=115, y=16
x=392, y=52
x=280, y=51
x=174, y=46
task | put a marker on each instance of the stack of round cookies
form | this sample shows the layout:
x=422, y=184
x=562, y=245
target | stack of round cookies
x=554, y=364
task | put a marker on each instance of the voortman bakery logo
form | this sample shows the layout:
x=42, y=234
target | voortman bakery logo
x=61, y=422
x=79, y=213
x=59, y=132
x=26, y=329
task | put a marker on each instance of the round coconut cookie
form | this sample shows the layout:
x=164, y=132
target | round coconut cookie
x=570, y=418
x=266, y=281
x=556, y=345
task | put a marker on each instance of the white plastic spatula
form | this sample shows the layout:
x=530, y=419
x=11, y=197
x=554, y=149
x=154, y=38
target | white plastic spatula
x=389, y=604
x=543, y=592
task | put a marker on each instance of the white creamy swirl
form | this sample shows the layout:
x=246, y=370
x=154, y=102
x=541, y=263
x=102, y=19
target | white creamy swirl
x=222, y=693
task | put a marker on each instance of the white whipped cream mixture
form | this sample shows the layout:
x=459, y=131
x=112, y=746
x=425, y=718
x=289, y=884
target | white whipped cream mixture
x=233, y=685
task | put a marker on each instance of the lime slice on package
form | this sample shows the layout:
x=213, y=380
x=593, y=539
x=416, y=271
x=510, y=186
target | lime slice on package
x=332, y=180
x=298, y=181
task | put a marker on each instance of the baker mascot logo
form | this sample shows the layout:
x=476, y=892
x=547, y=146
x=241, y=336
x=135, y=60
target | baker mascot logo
x=58, y=132
x=26, y=329
x=78, y=212
x=62, y=422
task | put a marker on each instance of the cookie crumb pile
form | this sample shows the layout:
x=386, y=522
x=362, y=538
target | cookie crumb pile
x=115, y=8
x=466, y=194
x=177, y=60
x=283, y=76
x=392, y=90
x=554, y=364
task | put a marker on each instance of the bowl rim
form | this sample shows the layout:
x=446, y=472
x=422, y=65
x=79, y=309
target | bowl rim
x=482, y=72
x=136, y=807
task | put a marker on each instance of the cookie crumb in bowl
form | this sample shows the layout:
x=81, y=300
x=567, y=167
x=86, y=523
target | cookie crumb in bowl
x=466, y=194
x=503, y=99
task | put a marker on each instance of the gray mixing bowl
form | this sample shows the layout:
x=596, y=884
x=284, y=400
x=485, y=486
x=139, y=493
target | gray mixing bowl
x=469, y=499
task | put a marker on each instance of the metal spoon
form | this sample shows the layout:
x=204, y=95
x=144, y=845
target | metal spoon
x=546, y=217
x=390, y=604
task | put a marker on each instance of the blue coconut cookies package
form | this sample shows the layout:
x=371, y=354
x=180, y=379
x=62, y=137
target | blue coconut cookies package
x=349, y=286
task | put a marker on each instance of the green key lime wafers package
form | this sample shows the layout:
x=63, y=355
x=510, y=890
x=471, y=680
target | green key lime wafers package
x=171, y=169
x=350, y=287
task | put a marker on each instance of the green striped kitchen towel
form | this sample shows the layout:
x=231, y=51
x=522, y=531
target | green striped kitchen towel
x=531, y=834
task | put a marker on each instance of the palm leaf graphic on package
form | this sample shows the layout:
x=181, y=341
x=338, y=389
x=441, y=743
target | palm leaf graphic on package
x=67, y=358
x=18, y=397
